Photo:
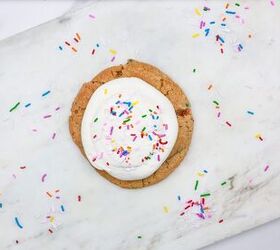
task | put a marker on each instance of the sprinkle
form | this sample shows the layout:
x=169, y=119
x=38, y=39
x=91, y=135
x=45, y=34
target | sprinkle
x=237, y=4
x=50, y=231
x=46, y=93
x=53, y=136
x=111, y=130
x=97, y=45
x=266, y=168
x=76, y=40
x=60, y=47
x=222, y=51
x=205, y=171
x=207, y=31
x=210, y=86
x=96, y=119
x=58, y=108
x=219, y=114
x=228, y=123
x=139, y=237
x=196, y=185
x=215, y=102
x=79, y=198
x=213, y=22
x=17, y=222
x=91, y=16
x=113, y=52
x=62, y=208
x=150, y=138
x=204, y=195
x=272, y=3
x=220, y=38
x=143, y=116
x=195, y=35
x=75, y=50
x=93, y=51
x=15, y=106
x=47, y=116
x=43, y=177
x=250, y=112
x=221, y=221
x=49, y=194
x=230, y=12
x=165, y=209
x=193, y=70
x=179, y=197
x=78, y=36
x=158, y=157
x=113, y=58
x=181, y=214
x=1, y=205
x=143, y=129
x=227, y=5
x=27, y=105
x=258, y=136
x=67, y=43
x=223, y=183
x=197, y=11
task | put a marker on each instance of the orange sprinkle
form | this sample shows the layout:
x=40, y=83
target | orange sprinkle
x=227, y=5
x=74, y=49
x=49, y=194
x=210, y=86
x=224, y=19
x=77, y=34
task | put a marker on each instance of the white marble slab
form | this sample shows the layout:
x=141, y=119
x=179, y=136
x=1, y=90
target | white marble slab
x=109, y=217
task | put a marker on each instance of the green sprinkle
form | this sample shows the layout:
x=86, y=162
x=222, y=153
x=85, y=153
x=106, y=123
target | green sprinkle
x=196, y=185
x=194, y=70
x=204, y=195
x=143, y=116
x=237, y=4
x=150, y=110
x=96, y=119
x=143, y=129
x=223, y=183
x=215, y=102
x=127, y=120
x=139, y=237
x=14, y=107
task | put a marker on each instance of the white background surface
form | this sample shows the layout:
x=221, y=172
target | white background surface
x=17, y=16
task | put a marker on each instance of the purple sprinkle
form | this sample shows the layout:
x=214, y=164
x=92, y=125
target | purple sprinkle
x=113, y=58
x=47, y=116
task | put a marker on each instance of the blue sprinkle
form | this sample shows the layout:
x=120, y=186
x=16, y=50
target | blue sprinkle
x=207, y=31
x=117, y=102
x=97, y=45
x=205, y=171
x=221, y=39
x=213, y=22
x=17, y=222
x=46, y=93
x=60, y=47
x=201, y=209
x=179, y=197
x=230, y=12
x=121, y=114
x=27, y=105
x=62, y=208
x=250, y=112
x=1, y=205
x=150, y=137
x=240, y=46
x=223, y=24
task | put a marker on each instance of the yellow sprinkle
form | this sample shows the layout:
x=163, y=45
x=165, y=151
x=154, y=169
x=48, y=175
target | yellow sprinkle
x=135, y=103
x=165, y=209
x=113, y=141
x=258, y=135
x=113, y=52
x=195, y=35
x=200, y=174
x=105, y=91
x=52, y=219
x=197, y=11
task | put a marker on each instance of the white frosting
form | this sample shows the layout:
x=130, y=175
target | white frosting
x=129, y=128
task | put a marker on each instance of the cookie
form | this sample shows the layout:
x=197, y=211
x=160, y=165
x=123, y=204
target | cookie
x=167, y=87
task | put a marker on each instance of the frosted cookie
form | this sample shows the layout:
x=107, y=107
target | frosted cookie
x=133, y=123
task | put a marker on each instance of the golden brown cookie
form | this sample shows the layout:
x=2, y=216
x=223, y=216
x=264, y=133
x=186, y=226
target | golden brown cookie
x=165, y=85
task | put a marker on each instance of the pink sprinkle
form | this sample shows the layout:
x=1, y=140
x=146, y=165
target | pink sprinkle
x=221, y=221
x=43, y=177
x=79, y=198
x=58, y=108
x=134, y=138
x=219, y=114
x=165, y=126
x=246, y=8
x=228, y=124
x=47, y=116
x=93, y=51
x=34, y=130
x=272, y=3
x=200, y=216
x=158, y=157
x=53, y=136
x=111, y=130
x=266, y=168
x=22, y=167
x=113, y=58
x=201, y=24
x=91, y=16
x=237, y=16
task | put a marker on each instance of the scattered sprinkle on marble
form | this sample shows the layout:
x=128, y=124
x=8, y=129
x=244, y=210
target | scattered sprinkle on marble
x=113, y=58
x=210, y=86
x=79, y=198
x=205, y=195
x=266, y=168
x=139, y=237
x=258, y=136
x=46, y=93
x=228, y=123
x=194, y=70
x=53, y=135
x=62, y=208
x=196, y=185
x=43, y=177
x=22, y=167
x=250, y=112
x=15, y=106
x=18, y=223
x=165, y=209
x=221, y=221
x=223, y=183
x=178, y=197
x=91, y=16
x=47, y=116
x=60, y=47
x=27, y=105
